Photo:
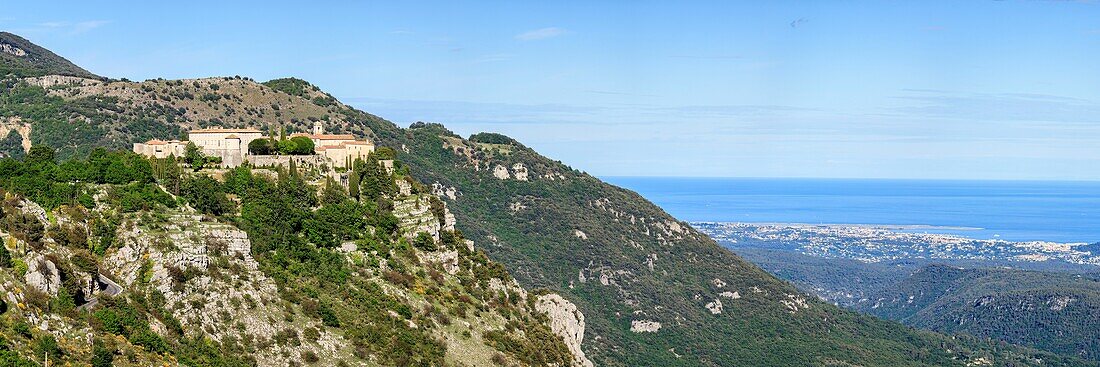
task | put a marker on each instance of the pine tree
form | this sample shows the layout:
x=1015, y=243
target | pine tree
x=333, y=193
x=5, y=257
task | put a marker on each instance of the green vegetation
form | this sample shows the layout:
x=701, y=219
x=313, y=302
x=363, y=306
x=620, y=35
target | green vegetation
x=292, y=86
x=1050, y=311
x=493, y=138
x=298, y=145
x=42, y=180
x=75, y=127
x=12, y=145
x=36, y=62
x=262, y=147
x=1047, y=310
x=295, y=233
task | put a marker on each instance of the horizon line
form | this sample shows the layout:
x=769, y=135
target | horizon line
x=853, y=178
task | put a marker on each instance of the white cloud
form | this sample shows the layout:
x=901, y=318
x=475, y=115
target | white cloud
x=73, y=28
x=85, y=26
x=539, y=34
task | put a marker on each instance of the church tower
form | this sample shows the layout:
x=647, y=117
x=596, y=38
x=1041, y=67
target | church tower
x=318, y=128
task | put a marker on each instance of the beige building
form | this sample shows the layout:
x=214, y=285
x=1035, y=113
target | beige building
x=231, y=145
x=345, y=153
x=160, y=148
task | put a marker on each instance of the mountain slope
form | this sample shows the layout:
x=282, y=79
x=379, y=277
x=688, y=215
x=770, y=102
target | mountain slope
x=653, y=290
x=23, y=58
x=1050, y=311
x=112, y=268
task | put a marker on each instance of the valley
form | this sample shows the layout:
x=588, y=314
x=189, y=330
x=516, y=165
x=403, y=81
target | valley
x=1041, y=294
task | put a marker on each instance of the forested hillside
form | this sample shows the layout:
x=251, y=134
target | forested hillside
x=22, y=58
x=1050, y=311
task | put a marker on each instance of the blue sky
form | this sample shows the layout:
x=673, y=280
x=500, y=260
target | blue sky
x=888, y=89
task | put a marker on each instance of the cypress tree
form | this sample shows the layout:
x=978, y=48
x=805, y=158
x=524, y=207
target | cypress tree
x=172, y=174
x=353, y=184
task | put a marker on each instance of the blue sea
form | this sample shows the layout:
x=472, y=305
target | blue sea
x=1009, y=210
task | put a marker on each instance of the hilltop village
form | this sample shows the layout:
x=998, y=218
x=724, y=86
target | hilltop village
x=233, y=147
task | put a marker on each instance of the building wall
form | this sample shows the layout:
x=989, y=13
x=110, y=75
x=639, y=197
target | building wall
x=163, y=150
x=302, y=161
x=229, y=145
x=342, y=154
x=217, y=140
x=359, y=150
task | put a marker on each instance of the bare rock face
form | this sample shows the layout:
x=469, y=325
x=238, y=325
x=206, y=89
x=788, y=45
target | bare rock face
x=404, y=188
x=520, y=171
x=16, y=124
x=11, y=49
x=715, y=307
x=48, y=81
x=34, y=209
x=414, y=214
x=567, y=322
x=212, y=285
x=449, y=192
x=501, y=172
x=448, y=259
x=644, y=326
x=42, y=274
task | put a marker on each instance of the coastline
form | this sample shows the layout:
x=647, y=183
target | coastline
x=876, y=243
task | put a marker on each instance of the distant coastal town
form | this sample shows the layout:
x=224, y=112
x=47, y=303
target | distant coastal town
x=869, y=243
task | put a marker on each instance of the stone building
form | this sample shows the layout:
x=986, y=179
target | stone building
x=160, y=148
x=231, y=145
x=343, y=154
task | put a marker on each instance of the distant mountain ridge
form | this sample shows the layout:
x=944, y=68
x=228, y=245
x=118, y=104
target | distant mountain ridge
x=24, y=58
x=652, y=290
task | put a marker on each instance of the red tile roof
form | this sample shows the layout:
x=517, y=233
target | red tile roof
x=325, y=136
x=219, y=130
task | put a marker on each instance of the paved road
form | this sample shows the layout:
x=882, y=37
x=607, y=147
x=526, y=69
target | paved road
x=104, y=285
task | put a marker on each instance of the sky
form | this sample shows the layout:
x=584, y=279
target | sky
x=854, y=89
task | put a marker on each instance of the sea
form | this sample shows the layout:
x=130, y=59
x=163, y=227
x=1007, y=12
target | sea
x=1055, y=211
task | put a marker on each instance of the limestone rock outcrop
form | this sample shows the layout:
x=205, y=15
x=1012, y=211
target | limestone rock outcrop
x=566, y=321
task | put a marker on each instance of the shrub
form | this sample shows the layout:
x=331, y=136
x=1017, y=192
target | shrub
x=47, y=345
x=302, y=145
x=425, y=242
x=206, y=195
x=261, y=147
x=310, y=357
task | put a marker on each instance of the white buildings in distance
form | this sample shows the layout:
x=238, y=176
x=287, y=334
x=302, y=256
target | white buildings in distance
x=231, y=145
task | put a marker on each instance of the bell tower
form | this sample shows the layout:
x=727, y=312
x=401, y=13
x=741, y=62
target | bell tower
x=318, y=128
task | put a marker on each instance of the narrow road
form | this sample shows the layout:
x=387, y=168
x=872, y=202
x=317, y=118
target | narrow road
x=104, y=285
